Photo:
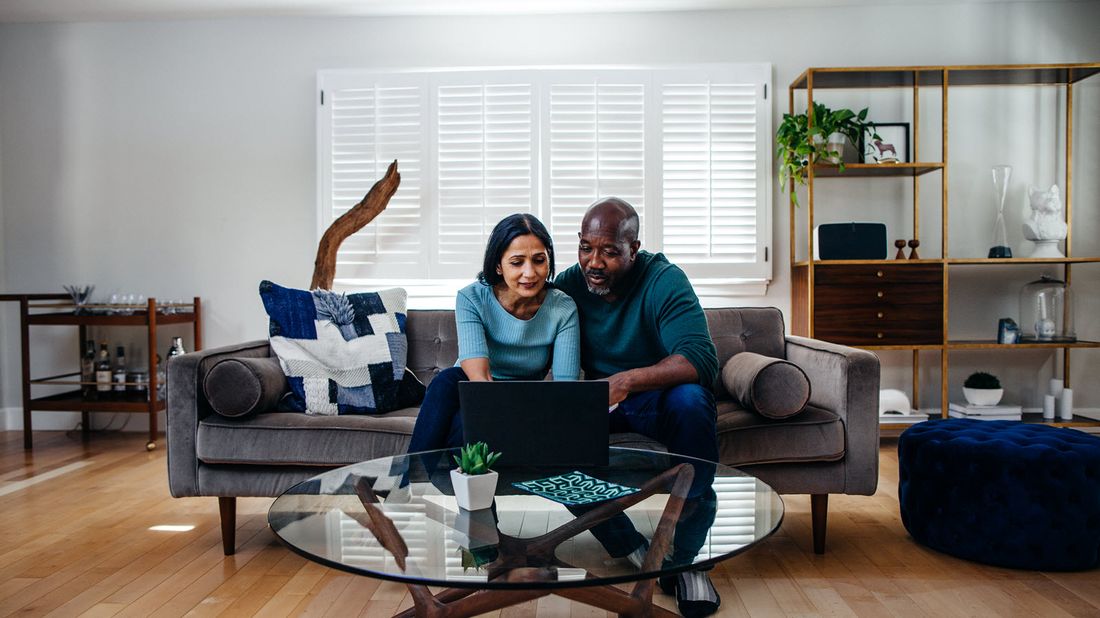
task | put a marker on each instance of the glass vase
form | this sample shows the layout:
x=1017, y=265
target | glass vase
x=1001, y=176
x=1046, y=311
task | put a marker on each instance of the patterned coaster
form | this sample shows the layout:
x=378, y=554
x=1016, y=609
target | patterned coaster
x=575, y=488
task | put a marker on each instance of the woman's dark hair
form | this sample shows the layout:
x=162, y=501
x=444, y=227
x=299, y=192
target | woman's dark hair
x=509, y=228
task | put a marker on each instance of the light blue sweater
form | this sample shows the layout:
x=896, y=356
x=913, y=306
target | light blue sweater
x=519, y=349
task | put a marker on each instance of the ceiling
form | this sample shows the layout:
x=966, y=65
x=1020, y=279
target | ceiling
x=115, y=10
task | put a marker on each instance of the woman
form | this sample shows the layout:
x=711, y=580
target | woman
x=512, y=325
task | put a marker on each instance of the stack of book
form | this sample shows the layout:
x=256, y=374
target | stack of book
x=902, y=419
x=985, y=413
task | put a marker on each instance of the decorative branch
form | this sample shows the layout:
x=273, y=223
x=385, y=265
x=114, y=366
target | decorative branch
x=376, y=200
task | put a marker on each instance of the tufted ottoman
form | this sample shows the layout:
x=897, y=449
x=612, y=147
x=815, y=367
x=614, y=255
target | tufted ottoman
x=1003, y=493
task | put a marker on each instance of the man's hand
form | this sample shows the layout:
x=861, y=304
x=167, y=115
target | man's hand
x=672, y=370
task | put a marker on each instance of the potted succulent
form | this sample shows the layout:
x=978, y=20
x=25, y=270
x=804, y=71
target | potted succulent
x=474, y=481
x=797, y=144
x=983, y=389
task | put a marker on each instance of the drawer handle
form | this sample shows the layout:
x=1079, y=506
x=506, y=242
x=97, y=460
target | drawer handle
x=879, y=335
x=880, y=315
x=879, y=274
x=879, y=294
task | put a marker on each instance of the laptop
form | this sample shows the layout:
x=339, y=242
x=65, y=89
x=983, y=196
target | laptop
x=538, y=423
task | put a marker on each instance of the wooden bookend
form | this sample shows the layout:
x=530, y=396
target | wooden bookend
x=376, y=200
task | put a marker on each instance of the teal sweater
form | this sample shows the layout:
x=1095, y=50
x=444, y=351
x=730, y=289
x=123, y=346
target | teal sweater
x=518, y=349
x=658, y=315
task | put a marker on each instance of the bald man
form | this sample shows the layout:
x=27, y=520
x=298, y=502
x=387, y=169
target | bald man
x=643, y=330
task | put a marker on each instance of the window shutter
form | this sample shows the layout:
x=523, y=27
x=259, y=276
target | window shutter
x=486, y=166
x=368, y=125
x=714, y=166
x=596, y=149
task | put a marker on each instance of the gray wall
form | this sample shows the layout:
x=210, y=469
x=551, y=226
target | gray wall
x=178, y=158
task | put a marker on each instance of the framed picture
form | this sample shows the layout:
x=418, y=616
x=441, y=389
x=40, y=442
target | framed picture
x=892, y=147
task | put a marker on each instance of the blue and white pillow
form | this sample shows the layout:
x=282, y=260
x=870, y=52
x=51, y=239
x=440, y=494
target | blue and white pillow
x=342, y=353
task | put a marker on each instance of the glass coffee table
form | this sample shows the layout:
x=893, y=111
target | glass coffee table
x=396, y=518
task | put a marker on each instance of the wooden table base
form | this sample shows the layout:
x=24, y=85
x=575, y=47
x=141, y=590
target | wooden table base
x=533, y=560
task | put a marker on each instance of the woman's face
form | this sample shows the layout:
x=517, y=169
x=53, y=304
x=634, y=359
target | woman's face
x=525, y=265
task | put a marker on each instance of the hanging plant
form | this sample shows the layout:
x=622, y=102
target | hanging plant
x=797, y=144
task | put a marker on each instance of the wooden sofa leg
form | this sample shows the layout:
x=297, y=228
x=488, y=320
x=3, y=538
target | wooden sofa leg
x=228, y=509
x=819, y=510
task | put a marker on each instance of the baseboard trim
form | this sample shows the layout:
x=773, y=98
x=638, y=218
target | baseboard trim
x=11, y=419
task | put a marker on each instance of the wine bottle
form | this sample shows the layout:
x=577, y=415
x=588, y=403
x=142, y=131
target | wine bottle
x=177, y=347
x=103, y=372
x=87, y=371
x=118, y=376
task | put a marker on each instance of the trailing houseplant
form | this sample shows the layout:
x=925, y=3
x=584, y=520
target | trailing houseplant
x=797, y=144
x=474, y=481
x=982, y=389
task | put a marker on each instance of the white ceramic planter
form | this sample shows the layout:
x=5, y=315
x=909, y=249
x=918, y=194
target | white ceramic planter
x=474, y=492
x=983, y=396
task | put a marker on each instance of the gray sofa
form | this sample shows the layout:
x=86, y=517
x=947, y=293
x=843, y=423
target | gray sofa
x=829, y=448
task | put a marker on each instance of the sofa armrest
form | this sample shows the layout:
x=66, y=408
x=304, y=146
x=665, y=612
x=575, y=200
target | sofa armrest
x=845, y=381
x=187, y=405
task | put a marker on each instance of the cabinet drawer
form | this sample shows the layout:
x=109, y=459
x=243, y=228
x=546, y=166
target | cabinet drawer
x=862, y=275
x=879, y=304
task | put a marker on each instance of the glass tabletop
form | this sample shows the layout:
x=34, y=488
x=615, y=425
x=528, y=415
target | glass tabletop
x=396, y=518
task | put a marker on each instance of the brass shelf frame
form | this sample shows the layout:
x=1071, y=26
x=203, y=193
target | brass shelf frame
x=944, y=77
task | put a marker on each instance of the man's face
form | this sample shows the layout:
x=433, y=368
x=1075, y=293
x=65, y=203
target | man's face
x=605, y=258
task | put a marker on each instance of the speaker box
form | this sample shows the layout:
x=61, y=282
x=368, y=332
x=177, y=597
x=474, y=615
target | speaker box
x=850, y=241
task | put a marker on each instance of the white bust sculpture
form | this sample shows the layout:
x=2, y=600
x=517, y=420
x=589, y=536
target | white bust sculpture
x=1044, y=225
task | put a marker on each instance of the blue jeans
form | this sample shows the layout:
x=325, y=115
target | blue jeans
x=683, y=418
x=439, y=424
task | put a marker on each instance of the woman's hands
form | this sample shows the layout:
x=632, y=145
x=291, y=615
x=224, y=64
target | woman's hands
x=477, y=369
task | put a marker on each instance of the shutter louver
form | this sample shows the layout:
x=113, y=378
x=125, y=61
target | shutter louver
x=370, y=127
x=597, y=149
x=709, y=160
x=486, y=163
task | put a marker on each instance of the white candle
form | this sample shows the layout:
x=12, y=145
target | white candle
x=1048, y=407
x=1056, y=386
x=1065, y=404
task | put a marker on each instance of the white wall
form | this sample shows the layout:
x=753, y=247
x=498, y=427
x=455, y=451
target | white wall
x=178, y=158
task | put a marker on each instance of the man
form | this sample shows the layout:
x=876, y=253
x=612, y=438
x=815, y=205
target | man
x=643, y=330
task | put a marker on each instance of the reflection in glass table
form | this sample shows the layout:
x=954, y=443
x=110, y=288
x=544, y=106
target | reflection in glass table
x=395, y=518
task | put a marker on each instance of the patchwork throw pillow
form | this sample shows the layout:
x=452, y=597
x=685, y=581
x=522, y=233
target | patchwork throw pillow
x=341, y=353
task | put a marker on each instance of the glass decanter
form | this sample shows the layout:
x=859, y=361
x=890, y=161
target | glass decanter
x=1000, y=248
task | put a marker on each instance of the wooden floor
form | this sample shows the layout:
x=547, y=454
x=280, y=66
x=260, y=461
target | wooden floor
x=76, y=540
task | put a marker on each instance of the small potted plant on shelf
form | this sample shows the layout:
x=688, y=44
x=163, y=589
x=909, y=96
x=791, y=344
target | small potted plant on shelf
x=983, y=389
x=474, y=481
x=797, y=143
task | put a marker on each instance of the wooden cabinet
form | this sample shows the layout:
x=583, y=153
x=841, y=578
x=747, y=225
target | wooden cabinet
x=901, y=304
x=48, y=309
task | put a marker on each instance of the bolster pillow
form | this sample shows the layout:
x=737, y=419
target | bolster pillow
x=239, y=386
x=771, y=387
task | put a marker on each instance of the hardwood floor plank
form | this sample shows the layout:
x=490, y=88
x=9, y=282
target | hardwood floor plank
x=83, y=546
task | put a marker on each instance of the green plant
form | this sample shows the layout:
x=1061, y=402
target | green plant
x=477, y=558
x=980, y=379
x=797, y=143
x=476, y=459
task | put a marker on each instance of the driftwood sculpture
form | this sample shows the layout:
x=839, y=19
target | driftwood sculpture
x=376, y=200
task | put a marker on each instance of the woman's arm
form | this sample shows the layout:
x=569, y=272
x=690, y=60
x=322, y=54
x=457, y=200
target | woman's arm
x=473, y=348
x=567, y=346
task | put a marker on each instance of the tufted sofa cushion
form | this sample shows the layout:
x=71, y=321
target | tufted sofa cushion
x=1003, y=493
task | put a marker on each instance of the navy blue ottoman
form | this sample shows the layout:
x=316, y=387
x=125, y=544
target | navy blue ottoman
x=1003, y=493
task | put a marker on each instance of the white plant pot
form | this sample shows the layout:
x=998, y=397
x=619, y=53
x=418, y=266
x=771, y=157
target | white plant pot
x=474, y=492
x=983, y=396
x=835, y=143
x=474, y=529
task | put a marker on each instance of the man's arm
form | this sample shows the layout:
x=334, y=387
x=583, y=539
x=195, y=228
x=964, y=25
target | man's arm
x=670, y=371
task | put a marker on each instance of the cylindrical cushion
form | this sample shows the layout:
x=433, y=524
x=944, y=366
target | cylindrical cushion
x=1005, y=493
x=239, y=386
x=771, y=387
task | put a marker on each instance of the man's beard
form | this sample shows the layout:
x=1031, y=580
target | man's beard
x=602, y=290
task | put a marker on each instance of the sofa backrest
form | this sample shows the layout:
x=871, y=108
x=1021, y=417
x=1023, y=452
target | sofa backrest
x=433, y=340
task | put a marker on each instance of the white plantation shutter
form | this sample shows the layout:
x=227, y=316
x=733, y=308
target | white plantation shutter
x=689, y=148
x=368, y=124
x=485, y=165
x=596, y=135
x=714, y=164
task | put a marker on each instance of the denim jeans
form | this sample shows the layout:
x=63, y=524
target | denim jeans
x=683, y=419
x=439, y=424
